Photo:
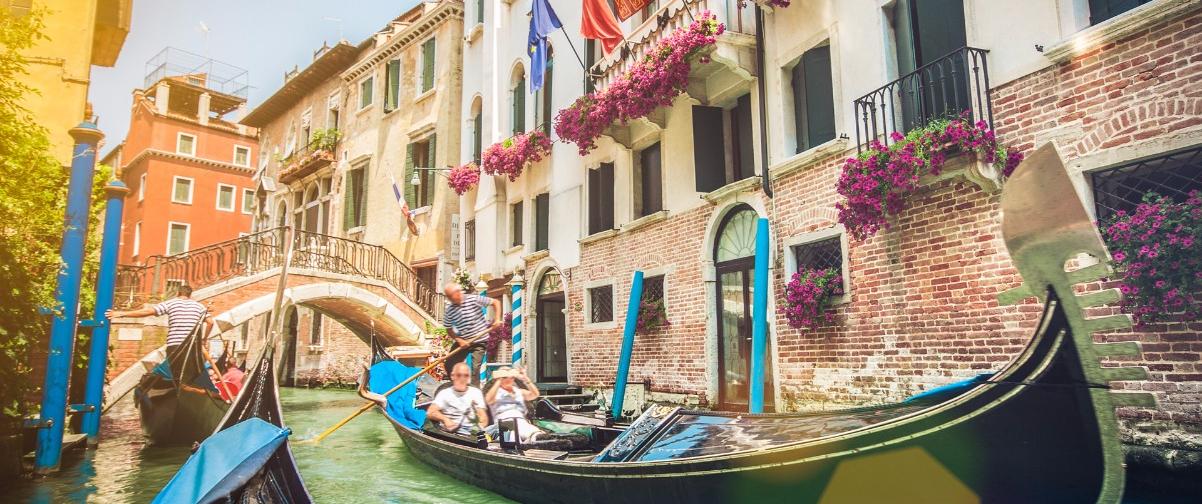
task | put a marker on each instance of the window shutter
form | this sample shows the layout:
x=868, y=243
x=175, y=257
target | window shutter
x=519, y=106
x=594, y=201
x=743, y=136
x=348, y=201
x=542, y=215
x=607, y=196
x=407, y=181
x=709, y=153
x=477, y=137
x=819, y=96
x=651, y=177
x=547, y=113
x=428, y=65
x=394, y=84
x=516, y=224
x=428, y=187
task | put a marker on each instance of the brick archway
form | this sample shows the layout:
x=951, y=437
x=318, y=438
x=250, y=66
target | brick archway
x=1146, y=120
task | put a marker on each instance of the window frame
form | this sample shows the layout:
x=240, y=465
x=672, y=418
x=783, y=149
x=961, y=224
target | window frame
x=423, y=76
x=142, y=187
x=179, y=136
x=234, y=160
x=517, y=221
x=233, y=197
x=191, y=189
x=791, y=243
x=368, y=81
x=248, y=195
x=187, y=237
x=801, y=108
x=137, y=247
x=589, y=287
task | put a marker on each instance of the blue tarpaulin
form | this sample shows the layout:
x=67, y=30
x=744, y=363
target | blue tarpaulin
x=224, y=462
x=386, y=375
x=950, y=390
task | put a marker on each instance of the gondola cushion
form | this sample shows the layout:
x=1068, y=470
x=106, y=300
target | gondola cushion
x=224, y=462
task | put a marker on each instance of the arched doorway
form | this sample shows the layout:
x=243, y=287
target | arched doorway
x=734, y=261
x=288, y=366
x=551, y=341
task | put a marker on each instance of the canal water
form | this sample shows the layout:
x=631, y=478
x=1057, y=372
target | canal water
x=363, y=462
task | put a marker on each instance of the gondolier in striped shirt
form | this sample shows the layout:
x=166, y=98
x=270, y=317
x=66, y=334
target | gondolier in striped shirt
x=183, y=313
x=464, y=320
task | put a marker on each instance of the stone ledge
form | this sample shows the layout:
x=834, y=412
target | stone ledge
x=807, y=158
x=596, y=237
x=643, y=221
x=1117, y=28
x=748, y=184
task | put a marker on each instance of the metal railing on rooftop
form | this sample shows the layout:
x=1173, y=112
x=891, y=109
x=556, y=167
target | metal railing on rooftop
x=954, y=85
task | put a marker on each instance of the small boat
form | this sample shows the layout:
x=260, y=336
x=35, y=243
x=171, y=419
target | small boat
x=247, y=458
x=183, y=409
x=1042, y=429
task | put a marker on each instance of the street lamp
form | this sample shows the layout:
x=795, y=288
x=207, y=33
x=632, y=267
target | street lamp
x=417, y=181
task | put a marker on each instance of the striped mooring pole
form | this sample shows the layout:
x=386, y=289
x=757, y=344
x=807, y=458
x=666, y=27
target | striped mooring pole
x=516, y=310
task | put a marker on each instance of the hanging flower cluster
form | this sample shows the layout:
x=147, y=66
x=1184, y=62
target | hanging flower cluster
x=808, y=294
x=510, y=156
x=876, y=183
x=652, y=316
x=1158, y=248
x=652, y=83
x=463, y=178
x=496, y=336
x=464, y=279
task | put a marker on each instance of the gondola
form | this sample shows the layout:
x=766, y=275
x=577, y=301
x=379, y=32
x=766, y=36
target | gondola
x=247, y=458
x=1042, y=429
x=178, y=403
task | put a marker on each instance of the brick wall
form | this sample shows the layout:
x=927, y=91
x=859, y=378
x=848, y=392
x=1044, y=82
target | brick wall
x=922, y=309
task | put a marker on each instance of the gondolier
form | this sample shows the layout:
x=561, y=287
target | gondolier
x=183, y=313
x=465, y=319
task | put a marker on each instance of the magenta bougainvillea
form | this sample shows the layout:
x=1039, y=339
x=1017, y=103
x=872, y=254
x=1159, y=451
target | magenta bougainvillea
x=496, y=336
x=463, y=178
x=808, y=294
x=651, y=83
x=652, y=316
x=1158, y=248
x=876, y=183
x=510, y=156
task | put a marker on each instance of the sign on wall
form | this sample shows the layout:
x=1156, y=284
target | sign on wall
x=627, y=8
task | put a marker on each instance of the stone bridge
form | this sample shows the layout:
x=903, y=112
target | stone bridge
x=364, y=287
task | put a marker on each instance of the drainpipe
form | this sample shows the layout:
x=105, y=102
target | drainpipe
x=62, y=326
x=766, y=183
x=102, y=326
x=632, y=320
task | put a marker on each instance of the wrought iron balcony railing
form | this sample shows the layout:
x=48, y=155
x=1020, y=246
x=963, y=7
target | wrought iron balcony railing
x=951, y=86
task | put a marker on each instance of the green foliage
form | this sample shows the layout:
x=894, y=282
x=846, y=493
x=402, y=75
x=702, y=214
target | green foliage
x=32, y=205
x=326, y=139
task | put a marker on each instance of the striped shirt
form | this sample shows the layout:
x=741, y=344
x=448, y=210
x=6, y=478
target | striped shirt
x=467, y=318
x=182, y=316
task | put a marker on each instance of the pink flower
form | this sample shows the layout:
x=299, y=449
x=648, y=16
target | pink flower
x=463, y=178
x=509, y=157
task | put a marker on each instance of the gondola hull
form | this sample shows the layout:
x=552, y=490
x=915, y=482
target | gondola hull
x=1023, y=438
x=173, y=417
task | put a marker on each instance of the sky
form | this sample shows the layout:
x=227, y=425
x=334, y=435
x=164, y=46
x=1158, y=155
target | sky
x=265, y=37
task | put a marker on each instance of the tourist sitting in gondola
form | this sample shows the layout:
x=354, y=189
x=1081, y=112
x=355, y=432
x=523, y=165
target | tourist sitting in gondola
x=460, y=407
x=507, y=401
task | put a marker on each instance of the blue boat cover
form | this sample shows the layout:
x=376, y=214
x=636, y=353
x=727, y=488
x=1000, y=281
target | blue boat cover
x=224, y=462
x=386, y=375
x=950, y=390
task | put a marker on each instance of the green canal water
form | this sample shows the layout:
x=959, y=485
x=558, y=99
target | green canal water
x=364, y=462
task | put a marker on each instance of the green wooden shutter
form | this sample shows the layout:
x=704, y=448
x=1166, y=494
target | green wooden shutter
x=407, y=181
x=519, y=106
x=709, y=152
x=819, y=96
x=477, y=137
x=394, y=85
x=428, y=65
x=745, y=145
x=430, y=160
x=348, y=202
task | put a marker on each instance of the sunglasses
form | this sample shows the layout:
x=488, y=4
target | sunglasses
x=460, y=374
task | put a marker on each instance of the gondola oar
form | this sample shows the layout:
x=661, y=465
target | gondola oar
x=398, y=386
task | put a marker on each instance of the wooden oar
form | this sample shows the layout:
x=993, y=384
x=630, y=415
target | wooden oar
x=415, y=376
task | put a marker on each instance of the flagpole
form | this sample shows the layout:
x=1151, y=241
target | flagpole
x=573, y=46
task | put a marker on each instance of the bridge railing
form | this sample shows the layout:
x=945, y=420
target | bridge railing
x=160, y=277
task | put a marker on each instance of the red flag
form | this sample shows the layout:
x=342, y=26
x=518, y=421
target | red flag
x=599, y=24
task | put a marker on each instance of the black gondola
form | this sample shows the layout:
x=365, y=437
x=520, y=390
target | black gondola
x=1040, y=430
x=177, y=400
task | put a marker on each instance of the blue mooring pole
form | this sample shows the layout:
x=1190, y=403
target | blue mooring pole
x=759, y=318
x=106, y=281
x=632, y=320
x=516, y=341
x=62, y=327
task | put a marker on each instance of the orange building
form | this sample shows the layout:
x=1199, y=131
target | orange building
x=189, y=167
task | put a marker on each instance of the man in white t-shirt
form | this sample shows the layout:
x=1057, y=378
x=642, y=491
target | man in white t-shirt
x=460, y=407
x=506, y=400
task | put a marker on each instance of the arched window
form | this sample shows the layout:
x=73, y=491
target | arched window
x=517, y=98
x=736, y=235
x=477, y=129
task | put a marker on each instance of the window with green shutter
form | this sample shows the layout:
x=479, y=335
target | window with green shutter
x=813, y=99
x=392, y=85
x=354, y=203
x=427, y=65
x=516, y=234
x=542, y=218
x=519, y=104
x=477, y=137
x=366, y=88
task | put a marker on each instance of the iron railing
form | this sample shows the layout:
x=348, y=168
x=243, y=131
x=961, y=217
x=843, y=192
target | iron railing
x=258, y=252
x=952, y=86
x=1122, y=188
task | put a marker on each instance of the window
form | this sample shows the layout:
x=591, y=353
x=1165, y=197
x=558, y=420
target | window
x=479, y=11
x=185, y=144
x=542, y=221
x=601, y=304
x=469, y=240
x=354, y=209
x=248, y=201
x=315, y=329
x=813, y=99
x=925, y=31
x=517, y=95
x=648, y=181
x=366, y=88
x=1122, y=188
x=543, y=113
x=177, y=238
x=590, y=59
x=824, y=253
x=515, y=224
x=225, y=197
x=477, y=137
x=653, y=289
x=333, y=114
x=241, y=155
x=137, y=238
x=1102, y=10
x=181, y=191
x=427, y=82
x=427, y=275
x=392, y=85
x=420, y=155
x=601, y=198
x=142, y=187
x=715, y=133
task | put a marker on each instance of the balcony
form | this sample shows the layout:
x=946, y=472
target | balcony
x=317, y=154
x=951, y=86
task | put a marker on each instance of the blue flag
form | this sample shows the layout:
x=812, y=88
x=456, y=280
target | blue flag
x=543, y=21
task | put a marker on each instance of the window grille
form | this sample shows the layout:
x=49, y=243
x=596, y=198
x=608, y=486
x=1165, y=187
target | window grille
x=601, y=304
x=653, y=288
x=1122, y=188
x=822, y=254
